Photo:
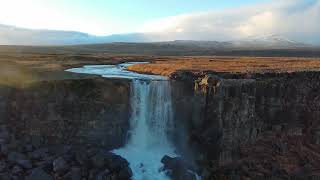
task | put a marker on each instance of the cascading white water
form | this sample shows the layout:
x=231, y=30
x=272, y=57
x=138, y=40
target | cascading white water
x=150, y=120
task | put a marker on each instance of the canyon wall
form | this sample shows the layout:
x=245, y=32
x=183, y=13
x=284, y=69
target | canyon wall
x=231, y=125
x=245, y=125
x=70, y=111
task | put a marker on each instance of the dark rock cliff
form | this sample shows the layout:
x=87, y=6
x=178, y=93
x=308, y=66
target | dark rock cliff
x=232, y=125
x=250, y=126
x=70, y=111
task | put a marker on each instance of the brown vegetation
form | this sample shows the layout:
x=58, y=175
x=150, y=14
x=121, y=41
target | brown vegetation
x=24, y=65
x=169, y=65
x=17, y=68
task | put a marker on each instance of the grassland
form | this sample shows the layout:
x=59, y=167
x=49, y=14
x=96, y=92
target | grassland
x=24, y=63
x=168, y=65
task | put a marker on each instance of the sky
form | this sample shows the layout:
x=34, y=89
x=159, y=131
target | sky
x=102, y=17
x=170, y=19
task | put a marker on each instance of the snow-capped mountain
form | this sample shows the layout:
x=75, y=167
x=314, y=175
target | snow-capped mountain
x=267, y=41
x=10, y=35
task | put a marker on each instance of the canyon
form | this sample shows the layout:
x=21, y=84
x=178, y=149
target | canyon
x=228, y=124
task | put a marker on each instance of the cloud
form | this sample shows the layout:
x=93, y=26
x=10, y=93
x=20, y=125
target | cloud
x=56, y=15
x=295, y=19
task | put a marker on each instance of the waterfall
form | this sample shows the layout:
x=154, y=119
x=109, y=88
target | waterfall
x=151, y=119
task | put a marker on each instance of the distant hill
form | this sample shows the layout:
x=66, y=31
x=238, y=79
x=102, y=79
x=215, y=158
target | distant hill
x=260, y=42
x=10, y=35
x=171, y=48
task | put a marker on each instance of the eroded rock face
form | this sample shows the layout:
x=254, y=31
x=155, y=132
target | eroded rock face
x=77, y=111
x=228, y=112
x=227, y=123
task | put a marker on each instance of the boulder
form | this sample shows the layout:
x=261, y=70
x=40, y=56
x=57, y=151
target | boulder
x=16, y=156
x=5, y=176
x=36, y=141
x=82, y=158
x=46, y=165
x=116, y=162
x=125, y=173
x=73, y=174
x=28, y=148
x=4, y=135
x=17, y=177
x=3, y=166
x=93, y=173
x=104, y=175
x=109, y=160
x=17, y=170
x=177, y=162
x=20, y=159
x=99, y=160
x=39, y=154
x=178, y=169
x=16, y=145
x=26, y=164
x=60, y=165
x=4, y=148
x=39, y=174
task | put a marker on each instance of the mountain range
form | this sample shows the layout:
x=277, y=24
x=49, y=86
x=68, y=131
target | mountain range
x=10, y=35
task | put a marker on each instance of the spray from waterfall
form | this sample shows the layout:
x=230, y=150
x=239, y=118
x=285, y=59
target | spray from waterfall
x=150, y=121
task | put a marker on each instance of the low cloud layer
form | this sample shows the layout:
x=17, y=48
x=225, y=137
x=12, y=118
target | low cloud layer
x=294, y=19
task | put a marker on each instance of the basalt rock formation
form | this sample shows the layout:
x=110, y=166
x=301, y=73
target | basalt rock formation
x=63, y=129
x=256, y=126
x=72, y=111
x=251, y=125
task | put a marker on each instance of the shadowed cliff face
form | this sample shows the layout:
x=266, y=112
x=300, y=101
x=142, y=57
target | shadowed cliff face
x=239, y=117
x=244, y=125
x=86, y=111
